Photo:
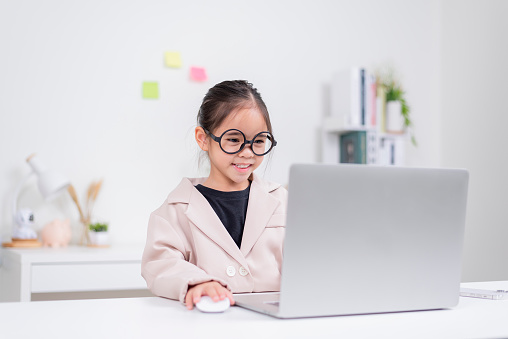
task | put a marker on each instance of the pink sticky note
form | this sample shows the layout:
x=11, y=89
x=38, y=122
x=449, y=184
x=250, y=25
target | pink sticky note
x=198, y=74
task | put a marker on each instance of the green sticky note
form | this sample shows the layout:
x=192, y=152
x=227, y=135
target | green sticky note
x=173, y=59
x=150, y=90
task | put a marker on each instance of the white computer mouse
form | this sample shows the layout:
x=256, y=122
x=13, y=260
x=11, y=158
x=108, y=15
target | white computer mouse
x=207, y=305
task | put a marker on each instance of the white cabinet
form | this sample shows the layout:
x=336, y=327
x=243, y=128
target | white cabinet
x=71, y=269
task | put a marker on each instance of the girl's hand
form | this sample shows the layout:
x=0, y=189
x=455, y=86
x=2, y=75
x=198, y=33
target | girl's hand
x=212, y=289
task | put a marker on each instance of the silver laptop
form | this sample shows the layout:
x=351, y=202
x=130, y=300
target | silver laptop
x=367, y=239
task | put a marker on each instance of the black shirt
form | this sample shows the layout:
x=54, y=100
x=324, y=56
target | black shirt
x=230, y=207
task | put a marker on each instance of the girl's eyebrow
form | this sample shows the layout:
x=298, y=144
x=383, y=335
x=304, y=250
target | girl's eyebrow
x=232, y=133
x=235, y=133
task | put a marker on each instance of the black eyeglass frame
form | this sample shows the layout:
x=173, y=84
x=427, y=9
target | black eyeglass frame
x=245, y=142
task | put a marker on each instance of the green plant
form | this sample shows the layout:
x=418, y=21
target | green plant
x=395, y=92
x=98, y=227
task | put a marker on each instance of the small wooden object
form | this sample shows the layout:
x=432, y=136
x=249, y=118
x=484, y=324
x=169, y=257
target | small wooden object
x=20, y=243
x=98, y=246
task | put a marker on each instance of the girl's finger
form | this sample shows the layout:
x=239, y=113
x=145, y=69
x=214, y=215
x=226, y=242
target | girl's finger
x=211, y=291
x=188, y=300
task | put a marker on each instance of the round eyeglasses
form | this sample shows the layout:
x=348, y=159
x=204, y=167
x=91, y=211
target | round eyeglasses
x=233, y=141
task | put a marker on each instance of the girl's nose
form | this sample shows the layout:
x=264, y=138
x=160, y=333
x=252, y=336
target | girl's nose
x=246, y=152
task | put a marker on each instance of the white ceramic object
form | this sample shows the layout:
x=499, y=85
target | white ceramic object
x=99, y=238
x=394, y=118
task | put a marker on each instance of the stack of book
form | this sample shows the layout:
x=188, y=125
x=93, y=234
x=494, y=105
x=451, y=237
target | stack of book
x=368, y=147
x=354, y=98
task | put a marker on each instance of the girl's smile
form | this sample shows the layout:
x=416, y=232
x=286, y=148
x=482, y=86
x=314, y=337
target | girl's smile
x=242, y=167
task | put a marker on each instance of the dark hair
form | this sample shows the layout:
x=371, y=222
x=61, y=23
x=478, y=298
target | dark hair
x=226, y=97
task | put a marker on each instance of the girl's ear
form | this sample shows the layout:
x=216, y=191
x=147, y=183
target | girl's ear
x=201, y=138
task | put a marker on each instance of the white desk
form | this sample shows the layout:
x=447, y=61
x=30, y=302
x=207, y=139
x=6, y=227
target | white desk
x=162, y=318
x=71, y=269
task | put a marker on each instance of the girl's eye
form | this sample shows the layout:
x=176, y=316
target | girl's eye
x=258, y=141
x=235, y=140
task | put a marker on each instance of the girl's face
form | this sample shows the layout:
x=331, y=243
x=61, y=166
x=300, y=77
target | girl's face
x=230, y=172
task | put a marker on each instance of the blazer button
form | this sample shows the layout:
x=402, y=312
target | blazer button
x=243, y=272
x=230, y=271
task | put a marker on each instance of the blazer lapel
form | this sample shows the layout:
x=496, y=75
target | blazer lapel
x=259, y=211
x=204, y=217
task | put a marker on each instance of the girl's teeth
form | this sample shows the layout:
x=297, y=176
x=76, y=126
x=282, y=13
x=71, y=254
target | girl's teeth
x=242, y=166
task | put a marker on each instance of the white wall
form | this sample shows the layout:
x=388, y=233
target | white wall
x=474, y=123
x=71, y=72
x=71, y=75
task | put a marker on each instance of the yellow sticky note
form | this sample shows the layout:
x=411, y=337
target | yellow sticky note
x=173, y=59
x=150, y=90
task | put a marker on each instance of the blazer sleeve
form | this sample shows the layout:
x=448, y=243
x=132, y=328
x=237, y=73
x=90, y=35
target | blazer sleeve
x=164, y=265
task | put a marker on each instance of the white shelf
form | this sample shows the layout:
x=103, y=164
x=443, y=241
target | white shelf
x=334, y=127
x=337, y=125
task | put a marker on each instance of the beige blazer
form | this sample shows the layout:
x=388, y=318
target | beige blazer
x=187, y=244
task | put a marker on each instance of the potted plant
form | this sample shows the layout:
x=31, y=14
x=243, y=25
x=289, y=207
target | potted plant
x=397, y=119
x=99, y=235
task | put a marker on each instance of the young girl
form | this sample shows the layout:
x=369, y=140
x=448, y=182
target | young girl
x=222, y=234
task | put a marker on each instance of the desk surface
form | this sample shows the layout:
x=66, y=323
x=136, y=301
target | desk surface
x=158, y=317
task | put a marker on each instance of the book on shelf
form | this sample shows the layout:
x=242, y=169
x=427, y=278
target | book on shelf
x=380, y=108
x=358, y=147
x=345, y=96
x=391, y=151
x=353, y=97
x=371, y=100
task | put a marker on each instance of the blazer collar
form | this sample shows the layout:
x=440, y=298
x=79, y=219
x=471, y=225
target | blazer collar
x=260, y=209
x=182, y=193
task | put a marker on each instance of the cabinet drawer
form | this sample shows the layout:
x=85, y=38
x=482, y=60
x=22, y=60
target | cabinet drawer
x=86, y=277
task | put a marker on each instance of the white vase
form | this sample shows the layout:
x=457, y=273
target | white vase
x=99, y=238
x=394, y=119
